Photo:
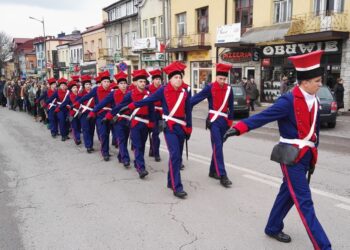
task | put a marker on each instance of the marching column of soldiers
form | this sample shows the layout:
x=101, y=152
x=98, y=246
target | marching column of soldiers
x=141, y=111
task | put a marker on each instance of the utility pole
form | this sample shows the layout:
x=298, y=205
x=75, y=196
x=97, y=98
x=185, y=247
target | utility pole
x=44, y=48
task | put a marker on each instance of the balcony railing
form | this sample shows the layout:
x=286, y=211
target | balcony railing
x=105, y=53
x=89, y=56
x=201, y=39
x=320, y=22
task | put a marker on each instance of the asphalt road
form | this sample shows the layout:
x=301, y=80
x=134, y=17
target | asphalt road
x=53, y=195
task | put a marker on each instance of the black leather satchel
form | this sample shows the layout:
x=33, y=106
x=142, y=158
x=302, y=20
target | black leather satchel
x=284, y=154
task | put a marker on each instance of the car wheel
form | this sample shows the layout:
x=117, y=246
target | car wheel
x=332, y=124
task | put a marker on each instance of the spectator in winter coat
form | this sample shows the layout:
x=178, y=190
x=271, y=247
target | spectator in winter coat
x=339, y=93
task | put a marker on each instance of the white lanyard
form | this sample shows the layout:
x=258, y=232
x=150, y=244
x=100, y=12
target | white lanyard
x=222, y=105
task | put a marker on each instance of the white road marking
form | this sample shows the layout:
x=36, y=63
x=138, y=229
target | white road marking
x=264, y=178
x=343, y=206
x=270, y=183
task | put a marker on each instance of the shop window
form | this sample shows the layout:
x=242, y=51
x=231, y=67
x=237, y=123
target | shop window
x=244, y=13
x=328, y=7
x=202, y=20
x=181, y=24
x=282, y=11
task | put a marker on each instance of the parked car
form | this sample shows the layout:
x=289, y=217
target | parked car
x=328, y=112
x=241, y=106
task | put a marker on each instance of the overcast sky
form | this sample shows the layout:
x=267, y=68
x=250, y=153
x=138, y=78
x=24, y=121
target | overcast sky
x=59, y=15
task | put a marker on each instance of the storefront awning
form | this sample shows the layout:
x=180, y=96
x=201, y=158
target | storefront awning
x=259, y=35
x=265, y=34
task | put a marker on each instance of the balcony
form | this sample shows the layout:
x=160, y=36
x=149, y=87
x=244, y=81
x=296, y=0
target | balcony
x=105, y=53
x=89, y=56
x=311, y=27
x=192, y=42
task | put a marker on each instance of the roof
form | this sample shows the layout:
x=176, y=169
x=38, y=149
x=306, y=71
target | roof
x=93, y=28
x=21, y=40
x=76, y=42
x=115, y=3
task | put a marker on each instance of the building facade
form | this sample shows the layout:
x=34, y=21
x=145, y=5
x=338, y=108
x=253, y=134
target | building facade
x=94, y=39
x=153, y=14
x=63, y=60
x=193, y=37
x=122, y=29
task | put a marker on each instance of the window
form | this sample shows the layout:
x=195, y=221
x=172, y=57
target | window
x=283, y=11
x=244, y=13
x=117, y=42
x=100, y=43
x=328, y=7
x=129, y=8
x=161, y=26
x=153, y=27
x=81, y=54
x=71, y=55
x=126, y=40
x=134, y=35
x=118, y=12
x=202, y=20
x=145, y=28
x=181, y=24
x=92, y=46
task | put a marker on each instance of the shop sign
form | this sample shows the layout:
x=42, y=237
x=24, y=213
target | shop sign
x=300, y=48
x=148, y=57
x=198, y=56
x=237, y=56
x=229, y=33
x=148, y=43
x=89, y=69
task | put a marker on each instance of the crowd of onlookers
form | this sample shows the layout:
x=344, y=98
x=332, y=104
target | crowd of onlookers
x=21, y=94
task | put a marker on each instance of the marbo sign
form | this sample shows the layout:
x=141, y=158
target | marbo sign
x=300, y=48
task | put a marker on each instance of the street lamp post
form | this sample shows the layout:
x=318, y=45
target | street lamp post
x=43, y=23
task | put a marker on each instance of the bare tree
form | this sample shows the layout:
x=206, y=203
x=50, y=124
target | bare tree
x=5, y=48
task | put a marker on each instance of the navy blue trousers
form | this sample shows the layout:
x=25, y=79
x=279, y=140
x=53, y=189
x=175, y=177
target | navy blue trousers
x=155, y=135
x=175, y=140
x=62, y=122
x=217, y=131
x=76, y=129
x=295, y=190
x=53, y=124
x=122, y=131
x=103, y=130
x=139, y=135
x=88, y=129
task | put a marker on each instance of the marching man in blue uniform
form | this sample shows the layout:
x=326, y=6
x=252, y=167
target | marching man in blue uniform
x=61, y=95
x=153, y=87
x=177, y=122
x=219, y=120
x=88, y=127
x=141, y=120
x=121, y=128
x=73, y=112
x=99, y=93
x=297, y=114
x=53, y=123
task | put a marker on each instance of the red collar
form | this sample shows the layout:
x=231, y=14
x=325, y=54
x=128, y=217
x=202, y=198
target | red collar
x=216, y=86
x=171, y=88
